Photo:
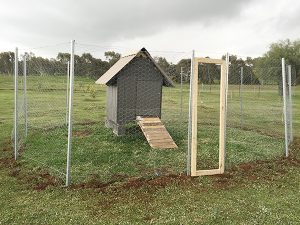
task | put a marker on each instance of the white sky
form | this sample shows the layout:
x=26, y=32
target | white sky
x=168, y=27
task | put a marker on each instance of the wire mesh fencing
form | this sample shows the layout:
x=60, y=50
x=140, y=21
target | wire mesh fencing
x=108, y=143
x=208, y=124
x=294, y=103
x=255, y=117
x=106, y=139
x=20, y=99
x=42, y=128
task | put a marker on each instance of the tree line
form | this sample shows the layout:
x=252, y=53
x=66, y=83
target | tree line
x=261, y=70
x=85, y=65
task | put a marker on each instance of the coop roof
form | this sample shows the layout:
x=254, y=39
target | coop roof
x=123, y=61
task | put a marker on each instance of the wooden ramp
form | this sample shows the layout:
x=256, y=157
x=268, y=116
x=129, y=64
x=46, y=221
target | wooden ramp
x=155, y=132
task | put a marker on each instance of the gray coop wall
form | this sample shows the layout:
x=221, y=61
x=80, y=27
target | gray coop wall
x=111, y=108
x=139, y=91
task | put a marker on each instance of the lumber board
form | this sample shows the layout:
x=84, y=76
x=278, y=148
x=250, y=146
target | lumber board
x=166, y=141
x=155, y=133
x=149, y=137
x=194, y=124
x=207, y=172
x=209, y=60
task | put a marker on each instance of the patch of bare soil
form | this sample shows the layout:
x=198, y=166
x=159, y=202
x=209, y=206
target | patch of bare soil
x=261, y=170
x=38, y=180
x=8, y=162
x=156, y=182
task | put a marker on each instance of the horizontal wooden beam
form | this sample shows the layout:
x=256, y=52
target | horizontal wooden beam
x=208, y=60
x=207, y=172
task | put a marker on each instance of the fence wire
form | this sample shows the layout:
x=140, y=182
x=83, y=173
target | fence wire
x=107, y=142
x=43, y=138
x=208, y=125
x=255, y=119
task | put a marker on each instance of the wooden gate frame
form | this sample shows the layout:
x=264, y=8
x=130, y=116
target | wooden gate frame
x=222, y=131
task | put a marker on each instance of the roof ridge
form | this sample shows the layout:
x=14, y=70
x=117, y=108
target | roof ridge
x=123, y=61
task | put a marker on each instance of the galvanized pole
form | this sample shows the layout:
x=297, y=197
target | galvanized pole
x=68, y=175
x=284, y=106
x=67, y=93
x=181, y=96
x=241, y=95
x=190, y=116
x=226, y=95
x=16, y=106
x=290, y=102
x=25, y=93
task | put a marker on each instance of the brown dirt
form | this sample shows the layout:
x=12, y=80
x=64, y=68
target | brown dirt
x=161, y=181
x=123, y=182
x=38, y=180
x=8, y=162
x=45, y=180
x=260, y=170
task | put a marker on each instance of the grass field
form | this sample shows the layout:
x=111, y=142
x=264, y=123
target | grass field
x=122, y=180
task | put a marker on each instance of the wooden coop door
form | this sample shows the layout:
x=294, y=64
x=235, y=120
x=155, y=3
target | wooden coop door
x=148, y=100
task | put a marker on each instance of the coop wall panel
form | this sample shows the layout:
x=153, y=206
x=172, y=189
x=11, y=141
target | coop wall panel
x=148, y=98
x=139, y=90
x=112, y=96
x=126, y=95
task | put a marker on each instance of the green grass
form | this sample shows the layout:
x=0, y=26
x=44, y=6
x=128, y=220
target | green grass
x=254, y=193
x=96, y=151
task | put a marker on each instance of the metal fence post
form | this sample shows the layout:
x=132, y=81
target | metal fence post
x=67, y=93
x=226, y=106
x=16, y=105
x=284, y=107
x=241, y=95
x=190, y=116
x=290, y=103
x=68, y=175
x=25, y=93
x=181, y=96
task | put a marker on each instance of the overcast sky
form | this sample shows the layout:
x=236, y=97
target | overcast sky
x=211, y=27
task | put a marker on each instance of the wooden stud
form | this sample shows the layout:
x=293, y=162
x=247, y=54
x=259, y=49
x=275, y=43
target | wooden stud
x=220, y=170
x=207, y=172
x=209, y=61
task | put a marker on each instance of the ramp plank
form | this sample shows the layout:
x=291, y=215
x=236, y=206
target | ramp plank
x=155, y=132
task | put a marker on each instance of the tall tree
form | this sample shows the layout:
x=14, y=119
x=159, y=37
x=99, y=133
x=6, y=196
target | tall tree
x=290, y=50
x=6, y=62
x=112, y=57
